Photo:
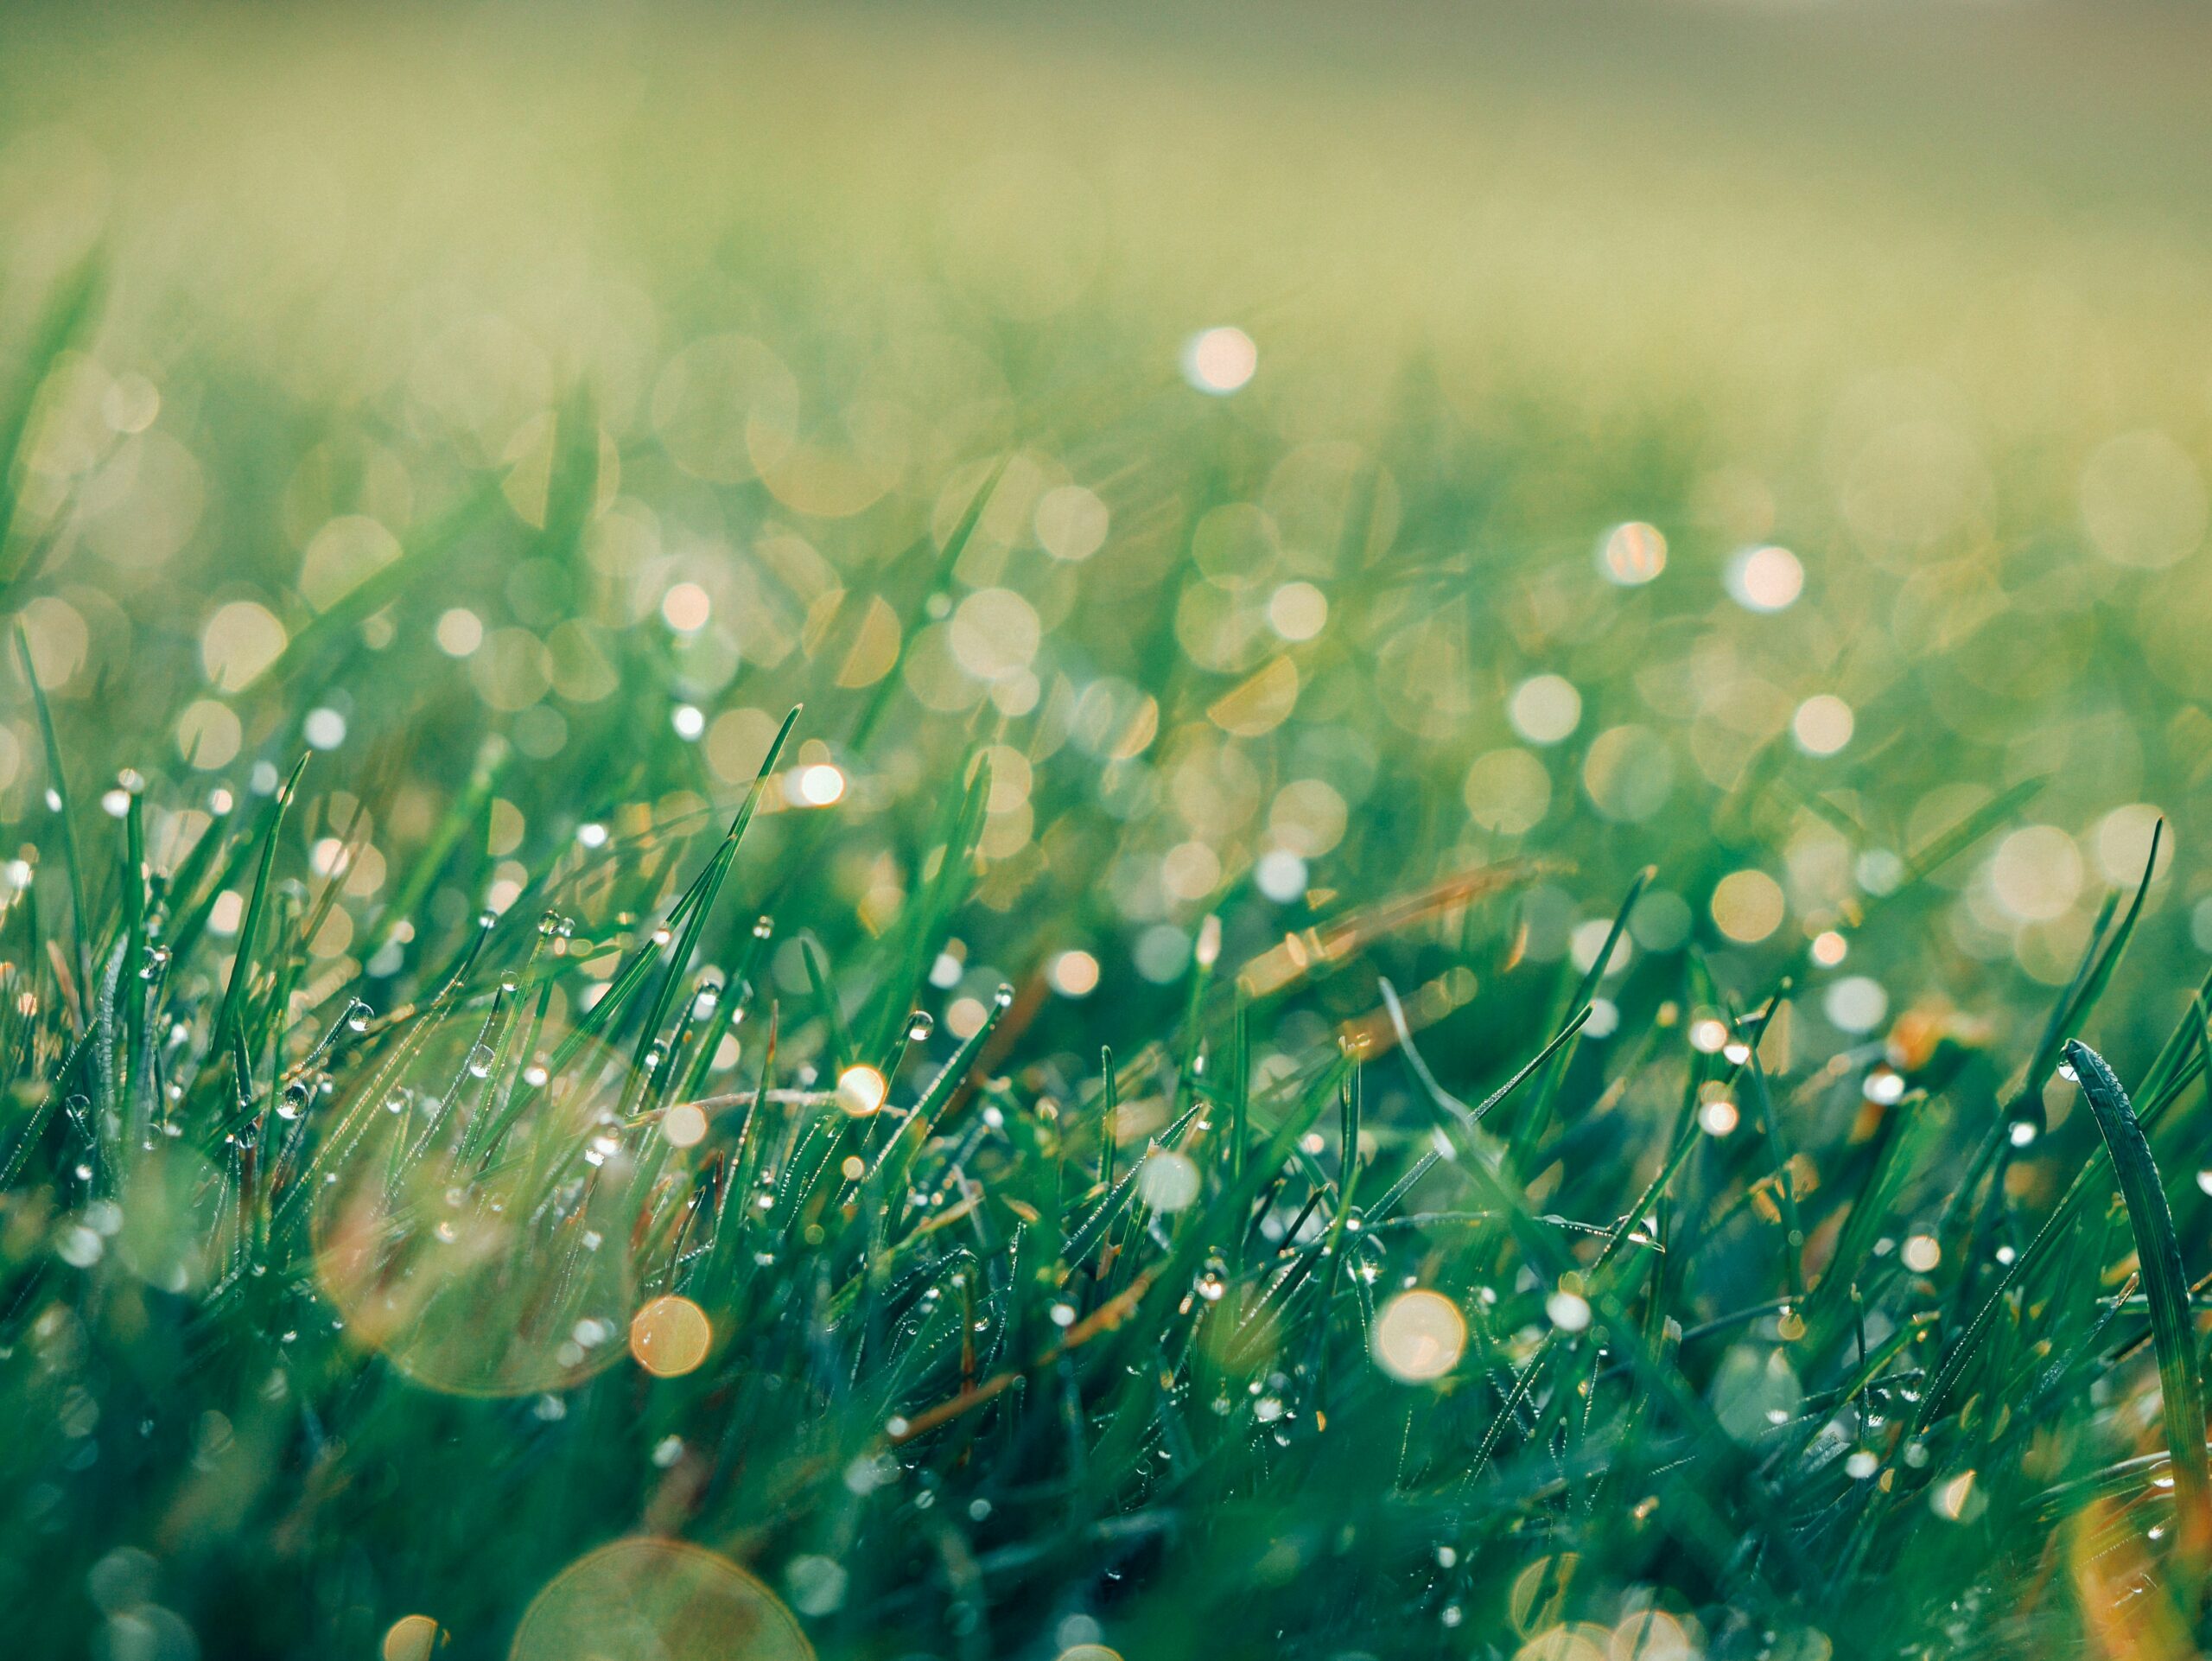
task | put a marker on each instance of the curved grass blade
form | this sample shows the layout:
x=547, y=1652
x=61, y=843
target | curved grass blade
x=2089, y=983
x=337, y=622
x=940, y=576
x=2165, y=1285
x=691, y=911
x=58, y=784
x=1946, y=845
x=702, y=897
x=1565, y=1035
x=949, y=868
x=230, y=1023
x=66, y=319
x=2074, y=1009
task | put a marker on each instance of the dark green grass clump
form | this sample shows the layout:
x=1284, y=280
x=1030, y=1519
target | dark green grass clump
x=320, y=1314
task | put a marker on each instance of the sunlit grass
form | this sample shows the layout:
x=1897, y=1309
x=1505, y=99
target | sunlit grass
x=928, y=839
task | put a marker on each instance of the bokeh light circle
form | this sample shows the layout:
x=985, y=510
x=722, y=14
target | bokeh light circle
x=1419, y=1336
x=670, y=1337
x=1632, y=555
x=1765, y=579
x=1219, y=361
x=667, y=1599
x=412, y=1637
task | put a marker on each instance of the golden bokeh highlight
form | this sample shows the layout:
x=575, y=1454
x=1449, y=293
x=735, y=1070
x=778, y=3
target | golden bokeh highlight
x=1747, y=906
x=1420, y=1336
x=861, y=1091
x=1259, y=705
x=1581, y=1641
x=665, y=1599
x=412, y=1637
x=1539, y=1592
x=669, y=1336
x=1074, y=974
x=241, y=639
x=1654, y=1635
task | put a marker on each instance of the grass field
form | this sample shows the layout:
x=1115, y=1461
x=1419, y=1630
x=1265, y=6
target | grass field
x=1194, y=830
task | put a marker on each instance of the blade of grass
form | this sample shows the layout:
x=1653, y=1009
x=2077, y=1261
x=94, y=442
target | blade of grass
x=57, y=783
x=941, y=577
x=2165, y=1285
x=230, y=1020
x=2090, y=989
x=66, y=319
x=701, y=901
x=1529, y=1129
x=386, y=584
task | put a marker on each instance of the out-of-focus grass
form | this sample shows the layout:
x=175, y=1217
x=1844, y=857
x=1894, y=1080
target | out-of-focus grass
x=1768, y=452
x=1547, y=277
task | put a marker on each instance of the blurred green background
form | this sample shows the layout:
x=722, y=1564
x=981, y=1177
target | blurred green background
x=1918, y=295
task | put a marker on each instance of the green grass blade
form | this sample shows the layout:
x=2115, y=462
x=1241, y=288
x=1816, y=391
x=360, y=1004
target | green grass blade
x=701, y=901
x=321, y=638
x=229, y=1021
x=887, y=688
x=1947, y=844
x=66, y=321
x=2165, y=1285
x=58, y=781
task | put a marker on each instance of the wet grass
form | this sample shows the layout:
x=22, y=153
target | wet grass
x=723, y=1032
x=321, y=1311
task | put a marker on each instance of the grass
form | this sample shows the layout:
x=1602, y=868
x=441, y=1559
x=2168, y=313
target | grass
x=723, y=932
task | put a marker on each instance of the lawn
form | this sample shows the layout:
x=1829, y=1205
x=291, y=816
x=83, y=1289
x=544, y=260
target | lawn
x=1203, y=830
